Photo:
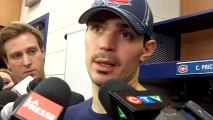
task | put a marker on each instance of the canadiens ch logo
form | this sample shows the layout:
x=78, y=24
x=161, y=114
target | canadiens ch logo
x=115, y=3
x=183, y=68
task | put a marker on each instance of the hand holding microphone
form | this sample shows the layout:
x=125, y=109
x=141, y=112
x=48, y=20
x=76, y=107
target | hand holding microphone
x=7, y=96
x=7, y=107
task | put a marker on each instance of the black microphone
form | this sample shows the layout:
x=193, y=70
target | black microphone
x=76, y=98
x=8, y=109
x=19, y=100
x=32, y=84
x=122, y=102
x=48, y=100
x=1, y=83
x=7, y=96
x=111, y=85
x=190, y=111
x=193, y=110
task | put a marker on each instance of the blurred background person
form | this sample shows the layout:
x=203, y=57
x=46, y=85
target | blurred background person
x=7, y=78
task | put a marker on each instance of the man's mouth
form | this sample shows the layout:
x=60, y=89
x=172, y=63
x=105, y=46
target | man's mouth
x=105, y=63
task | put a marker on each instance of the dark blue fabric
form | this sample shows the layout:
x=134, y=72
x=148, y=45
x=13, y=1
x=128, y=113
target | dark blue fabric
x=83, y=111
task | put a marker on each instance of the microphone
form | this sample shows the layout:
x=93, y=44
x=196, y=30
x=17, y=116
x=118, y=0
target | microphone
x=7, y=110
x=7, y=96
x=48, y=101
x=190, y=111
x=20, y=88
x=123, y=102
x=32, y=84
x=1, y=83
x=111, y=85
x=19, y=100
x=193, y=110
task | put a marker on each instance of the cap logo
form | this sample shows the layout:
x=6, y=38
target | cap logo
x=115, y=3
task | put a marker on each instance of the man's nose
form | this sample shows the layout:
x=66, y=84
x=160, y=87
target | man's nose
x=108, y=41
x=26, y=61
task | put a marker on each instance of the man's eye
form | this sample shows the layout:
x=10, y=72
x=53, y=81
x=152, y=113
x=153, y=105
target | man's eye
x=6, y=82
x=16, y=56
x=96, y=28
x=32, y=52
x=127, y=36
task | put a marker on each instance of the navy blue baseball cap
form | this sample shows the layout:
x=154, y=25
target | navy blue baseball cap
x=136, y=13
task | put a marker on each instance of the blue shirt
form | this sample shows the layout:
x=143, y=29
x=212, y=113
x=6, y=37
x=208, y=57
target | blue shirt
x=83, y=111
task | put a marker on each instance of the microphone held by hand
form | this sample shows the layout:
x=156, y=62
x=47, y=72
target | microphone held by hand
x=32, y=84
x=7, y=96
x=122, y=102
x=48, y=101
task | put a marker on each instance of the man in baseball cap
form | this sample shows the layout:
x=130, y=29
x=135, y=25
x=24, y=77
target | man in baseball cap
x=117, y=41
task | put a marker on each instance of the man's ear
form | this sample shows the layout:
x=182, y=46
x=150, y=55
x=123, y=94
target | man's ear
x=149, y=49
x=43, y=51
x=6, y=62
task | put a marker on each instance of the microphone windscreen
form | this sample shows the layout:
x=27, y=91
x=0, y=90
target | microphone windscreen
x=19, y=100
x=111, y=85
x=7, y=96
x=1, y=83
x=52, y=88
x=32, y=84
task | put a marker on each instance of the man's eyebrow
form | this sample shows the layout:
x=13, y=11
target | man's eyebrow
x=122, y=25
x=32, y=47
x=5, y=79
x=29, y=48
x=13, y=53
x=102, y=21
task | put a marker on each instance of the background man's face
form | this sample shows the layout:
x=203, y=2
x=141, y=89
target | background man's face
x=24, y=57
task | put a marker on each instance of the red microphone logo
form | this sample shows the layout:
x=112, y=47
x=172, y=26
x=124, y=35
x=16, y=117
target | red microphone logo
x=133, y=100
x=37, y=107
